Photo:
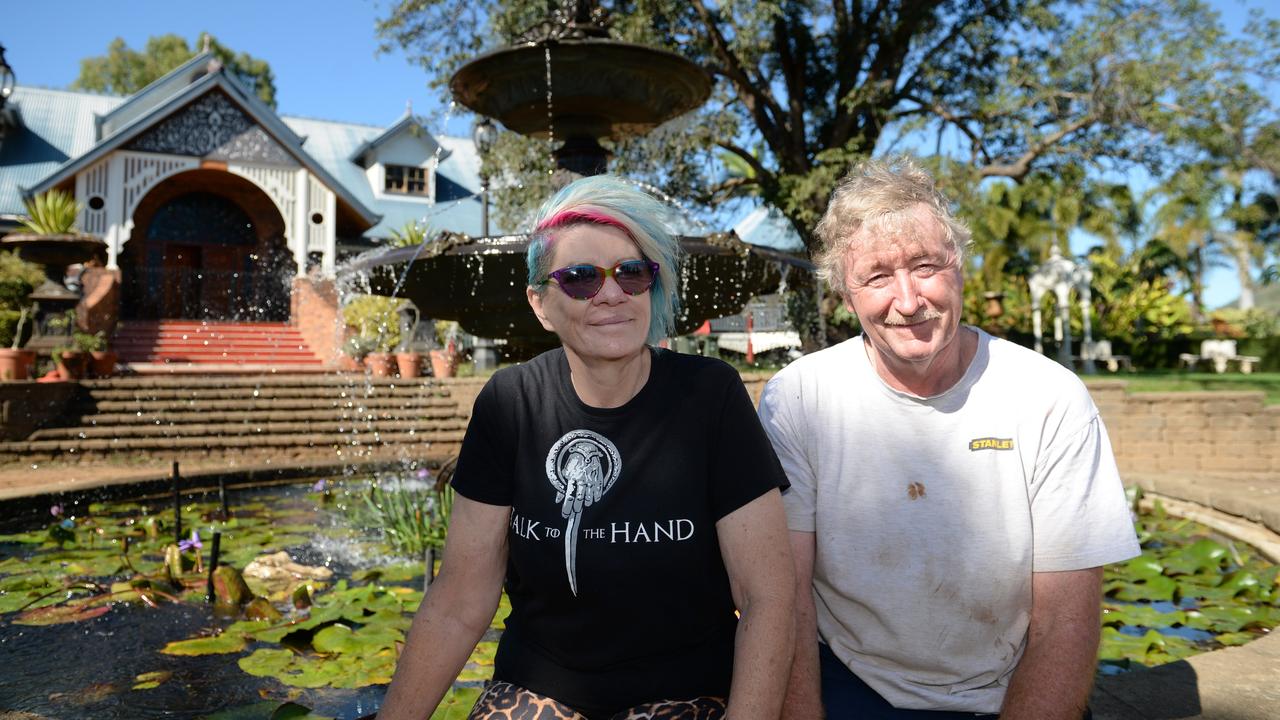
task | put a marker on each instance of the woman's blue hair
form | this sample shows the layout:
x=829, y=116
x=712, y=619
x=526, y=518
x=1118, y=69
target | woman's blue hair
x=606, y=200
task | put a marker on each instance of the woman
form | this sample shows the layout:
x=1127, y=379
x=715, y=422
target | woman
x=626, y=494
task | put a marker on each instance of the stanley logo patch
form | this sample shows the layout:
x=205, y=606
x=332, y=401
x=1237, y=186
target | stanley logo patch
x=991, y=444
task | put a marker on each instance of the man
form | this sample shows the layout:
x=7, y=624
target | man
x=953, y=496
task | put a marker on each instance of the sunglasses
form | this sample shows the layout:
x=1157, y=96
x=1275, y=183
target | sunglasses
x=583, y=282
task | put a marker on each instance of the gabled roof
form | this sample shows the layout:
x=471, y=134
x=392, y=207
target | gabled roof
x=247, y=102
x=407, y=123
x=155, y=94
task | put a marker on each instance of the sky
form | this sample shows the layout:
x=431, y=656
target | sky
x=323, y=53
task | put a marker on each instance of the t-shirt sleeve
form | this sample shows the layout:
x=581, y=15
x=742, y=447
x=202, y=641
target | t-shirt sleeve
x=775, y=416
x=1079, y=514
x=743, y=464
x=485, y=462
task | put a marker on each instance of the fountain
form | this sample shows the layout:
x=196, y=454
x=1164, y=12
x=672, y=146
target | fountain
x=566, y=80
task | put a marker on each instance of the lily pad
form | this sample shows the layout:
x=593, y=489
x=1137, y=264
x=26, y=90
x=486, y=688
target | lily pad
x=227, y=642
x=151, y=680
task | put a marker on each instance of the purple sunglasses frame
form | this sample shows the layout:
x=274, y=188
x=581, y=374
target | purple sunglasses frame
x=603, y=274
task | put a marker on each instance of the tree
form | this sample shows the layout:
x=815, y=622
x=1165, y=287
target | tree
x=994, y=91
x=124, y=71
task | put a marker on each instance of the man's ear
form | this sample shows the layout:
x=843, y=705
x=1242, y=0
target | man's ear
x=535, y=302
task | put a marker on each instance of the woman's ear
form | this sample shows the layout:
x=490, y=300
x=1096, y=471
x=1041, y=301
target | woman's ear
x=535, y=302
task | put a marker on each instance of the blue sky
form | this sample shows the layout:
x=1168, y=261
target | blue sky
x=323, y=53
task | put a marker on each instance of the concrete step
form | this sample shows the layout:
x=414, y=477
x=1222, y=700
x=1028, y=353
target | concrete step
x=276, y=380
x=215, y=442
x=262, y=404
x=349, y=427
x=427, y=412
x=267, y=393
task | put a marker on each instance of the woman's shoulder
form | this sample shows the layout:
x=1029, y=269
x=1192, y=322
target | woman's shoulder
x=697, y=368
x=532, y=374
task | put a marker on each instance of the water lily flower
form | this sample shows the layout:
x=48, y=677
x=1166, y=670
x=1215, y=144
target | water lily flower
x=319, y=486
x=55, y=510
x=192, y=544
x=68, y=523
x=424, y=473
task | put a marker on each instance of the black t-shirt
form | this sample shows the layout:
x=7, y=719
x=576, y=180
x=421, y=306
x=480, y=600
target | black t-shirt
x=618, y=592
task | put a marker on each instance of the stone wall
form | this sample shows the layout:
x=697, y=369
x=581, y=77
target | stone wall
x=1201, y=433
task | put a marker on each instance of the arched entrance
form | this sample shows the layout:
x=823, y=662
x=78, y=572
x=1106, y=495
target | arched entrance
x=206, y=245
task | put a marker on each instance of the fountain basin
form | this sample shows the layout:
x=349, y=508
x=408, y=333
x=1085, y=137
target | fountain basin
x=612, y=89
x=481, y=283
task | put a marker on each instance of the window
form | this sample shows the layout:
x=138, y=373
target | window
x=408, y=180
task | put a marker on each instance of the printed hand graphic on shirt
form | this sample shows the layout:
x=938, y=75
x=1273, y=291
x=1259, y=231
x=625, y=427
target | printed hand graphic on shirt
x=582, y=466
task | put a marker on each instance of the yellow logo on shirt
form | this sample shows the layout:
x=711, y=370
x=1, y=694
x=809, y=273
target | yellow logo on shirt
x=990, y=443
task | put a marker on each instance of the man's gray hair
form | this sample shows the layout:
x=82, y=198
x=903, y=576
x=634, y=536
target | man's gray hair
x=879, y=193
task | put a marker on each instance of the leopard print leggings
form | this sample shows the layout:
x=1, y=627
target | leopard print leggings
x=504, y=701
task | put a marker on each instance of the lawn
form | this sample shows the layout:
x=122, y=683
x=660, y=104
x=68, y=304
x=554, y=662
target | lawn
x=1175, y=381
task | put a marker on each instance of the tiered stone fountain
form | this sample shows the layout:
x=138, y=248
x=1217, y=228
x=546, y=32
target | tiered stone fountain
x=566, y=81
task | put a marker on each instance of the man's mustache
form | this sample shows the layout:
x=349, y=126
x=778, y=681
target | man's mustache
x=924, y=315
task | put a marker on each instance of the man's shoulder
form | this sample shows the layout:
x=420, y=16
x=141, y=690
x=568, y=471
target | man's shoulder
x=1031, y=376
x=836, y=358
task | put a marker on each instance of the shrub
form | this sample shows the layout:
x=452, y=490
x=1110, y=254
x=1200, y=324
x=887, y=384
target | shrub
x=375, y=321
x=53, y=213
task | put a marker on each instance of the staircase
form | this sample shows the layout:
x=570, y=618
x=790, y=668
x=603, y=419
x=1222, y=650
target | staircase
x=169, y=346
x=338, y=418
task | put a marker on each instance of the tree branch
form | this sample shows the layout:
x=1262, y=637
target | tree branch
x=1019, y=168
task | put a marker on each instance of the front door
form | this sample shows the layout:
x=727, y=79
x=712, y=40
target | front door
x=181, y=281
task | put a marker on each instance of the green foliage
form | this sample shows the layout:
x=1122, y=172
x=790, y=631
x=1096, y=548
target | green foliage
x=375, y=323
x=412, y=520
x=1252, y=323
x=51, y=213
x=412, y=234
x=1136, y=309
x=89, y=342
x=124, y=71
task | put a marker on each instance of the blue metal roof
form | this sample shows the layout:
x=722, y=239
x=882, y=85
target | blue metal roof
x=333, y=144
x=55, y=126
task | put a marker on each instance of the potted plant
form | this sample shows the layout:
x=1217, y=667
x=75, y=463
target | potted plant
x=444, y=362
x=15, y=362
x=409, y=363
x=376, y=331
x=70, y=362
x=101, y=360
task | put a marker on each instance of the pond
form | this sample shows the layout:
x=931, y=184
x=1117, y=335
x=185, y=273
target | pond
x=96, y=621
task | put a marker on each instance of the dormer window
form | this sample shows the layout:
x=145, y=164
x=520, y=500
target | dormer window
x=405, y=179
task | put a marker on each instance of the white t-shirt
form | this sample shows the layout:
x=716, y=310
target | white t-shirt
x=931, y=514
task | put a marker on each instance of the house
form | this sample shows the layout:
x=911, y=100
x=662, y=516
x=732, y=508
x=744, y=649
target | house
x=213, y=206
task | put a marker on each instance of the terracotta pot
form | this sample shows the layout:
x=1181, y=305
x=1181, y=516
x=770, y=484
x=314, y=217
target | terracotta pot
x=409, y=364
x=102, y=363
x=443, y=363
x=380, y=364
x=346, y=363
x=71, y=365
x=17, y=364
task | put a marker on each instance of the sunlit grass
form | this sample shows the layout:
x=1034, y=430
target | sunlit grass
x=1174, y=381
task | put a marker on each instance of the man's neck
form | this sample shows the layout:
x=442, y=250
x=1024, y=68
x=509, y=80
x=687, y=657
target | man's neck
x=928, y=378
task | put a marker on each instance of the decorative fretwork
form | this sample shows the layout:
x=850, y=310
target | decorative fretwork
x=142, y=172
x=213, y=127
x=90, y=184
x=277, y=183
